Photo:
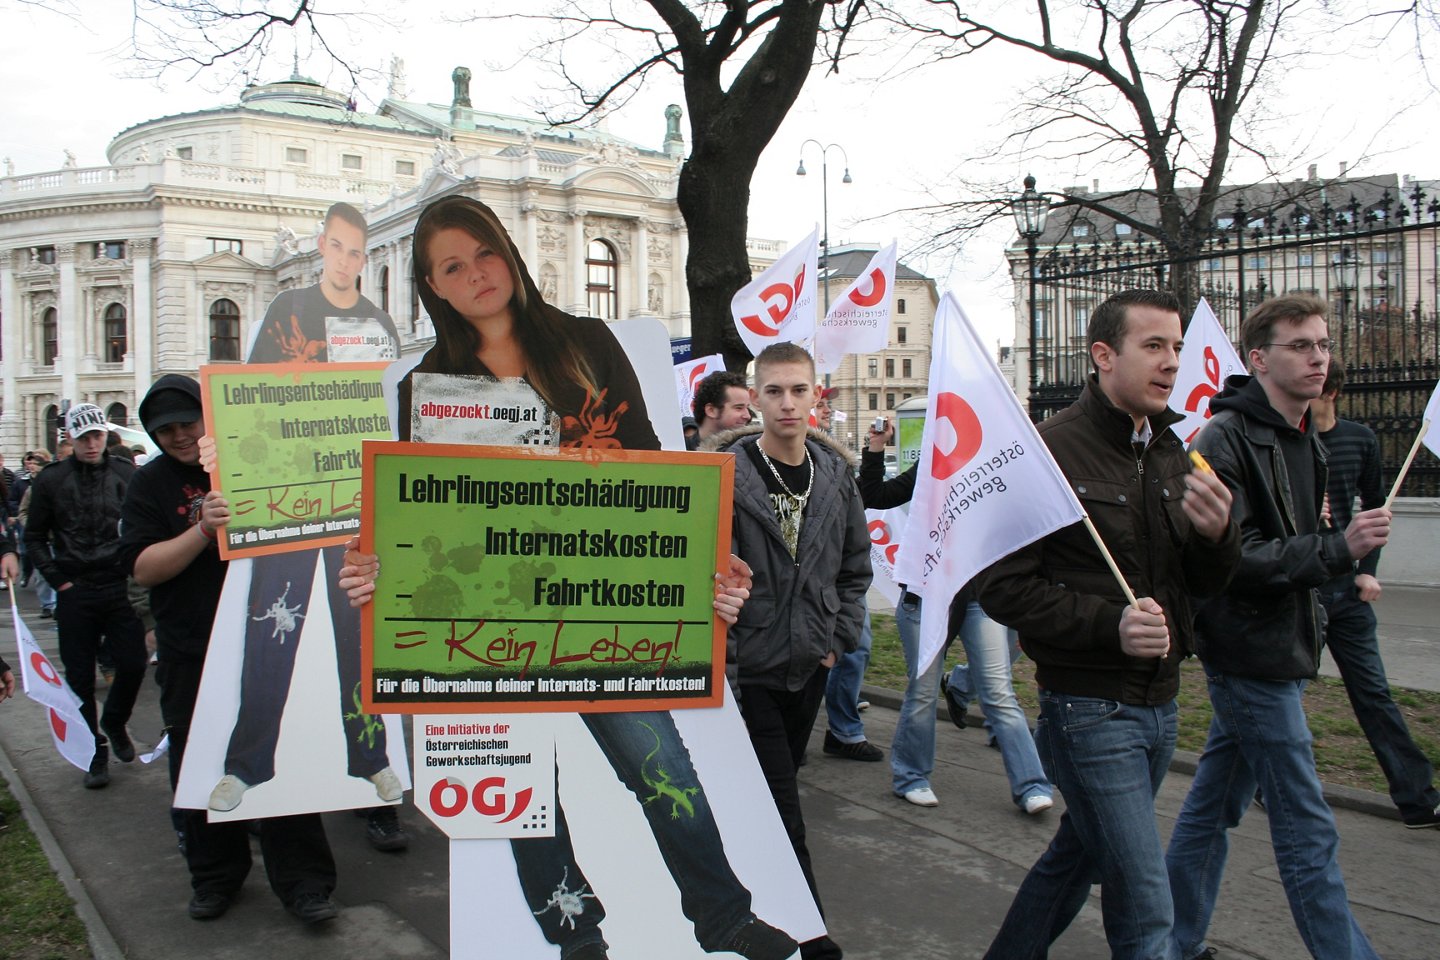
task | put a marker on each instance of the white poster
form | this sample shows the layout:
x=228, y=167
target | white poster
x=486, y=777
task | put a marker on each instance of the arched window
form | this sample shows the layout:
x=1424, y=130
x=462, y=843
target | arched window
x=115, y=333
x=52, y=427
x=49, y=338
x=602, y=296
x=117, y=414
x=385, y=289
x=224, y=330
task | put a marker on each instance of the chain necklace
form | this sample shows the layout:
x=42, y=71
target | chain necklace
x=790, y=506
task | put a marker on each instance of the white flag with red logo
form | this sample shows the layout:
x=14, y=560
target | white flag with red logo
x=859, y=320
x=688, y=376
x=885, y=528
x=779, y=305
x=62, y=708
x=1208, y=358
x=986, y=486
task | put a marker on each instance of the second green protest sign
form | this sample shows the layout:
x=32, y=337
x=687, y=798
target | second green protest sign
x=513, y=579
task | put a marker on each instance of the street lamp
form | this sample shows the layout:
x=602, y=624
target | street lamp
x=1345, y=277
x=825, y=222
x=1031, y=209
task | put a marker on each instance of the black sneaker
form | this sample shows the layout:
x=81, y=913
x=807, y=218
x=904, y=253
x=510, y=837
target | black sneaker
x=99, y=773
x=1424, y=820
x=120, y=742
x=382, y=828
x=864, y=750
x=757, y=940
x=1207, y=954
x=313, y=908
x=207, y=905
x=953, y=704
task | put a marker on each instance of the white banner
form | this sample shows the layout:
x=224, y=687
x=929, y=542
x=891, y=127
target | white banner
x=43, y=685
x=688, y=376
x=1432, y=417
x=986, y=486
x=1208, y=358
x=885, y=528
x=779, y=305
x=859, y=320
x=486, y=776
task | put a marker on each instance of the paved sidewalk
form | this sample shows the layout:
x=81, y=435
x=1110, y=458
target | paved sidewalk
x=898, y=881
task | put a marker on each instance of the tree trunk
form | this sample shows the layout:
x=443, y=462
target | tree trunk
x=714, y=196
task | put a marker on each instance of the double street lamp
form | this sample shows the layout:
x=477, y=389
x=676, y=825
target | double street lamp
x=1031, y=210
x=825, y=200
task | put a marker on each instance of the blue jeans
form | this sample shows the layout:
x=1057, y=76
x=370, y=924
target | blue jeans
x=1108, y=760
x=1259, y=735
x=1353, y=644
x=912, y=753
x=842, y=690
x=43, y=591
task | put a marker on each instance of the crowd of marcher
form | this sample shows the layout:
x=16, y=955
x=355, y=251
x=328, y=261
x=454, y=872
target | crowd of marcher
x=1238, y=554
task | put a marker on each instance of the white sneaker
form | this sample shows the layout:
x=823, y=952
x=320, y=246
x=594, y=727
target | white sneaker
x=228, y=793
x=1037, y=803
x=387, y=785
x=921, y=797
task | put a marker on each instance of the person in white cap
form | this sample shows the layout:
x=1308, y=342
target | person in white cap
x=72, y=535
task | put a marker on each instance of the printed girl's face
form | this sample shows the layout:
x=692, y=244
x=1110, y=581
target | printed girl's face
x=470, y=275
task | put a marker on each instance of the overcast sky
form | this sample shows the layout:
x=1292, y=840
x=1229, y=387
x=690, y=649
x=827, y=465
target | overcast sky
x=903, y=137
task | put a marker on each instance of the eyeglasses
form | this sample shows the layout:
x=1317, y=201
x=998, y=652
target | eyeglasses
x=1304, y=347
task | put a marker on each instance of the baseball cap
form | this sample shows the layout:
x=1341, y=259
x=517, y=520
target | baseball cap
x=164, y=407
x=84, y=418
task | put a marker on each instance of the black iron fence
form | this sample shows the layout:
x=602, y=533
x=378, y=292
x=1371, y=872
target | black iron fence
x=1375, y=263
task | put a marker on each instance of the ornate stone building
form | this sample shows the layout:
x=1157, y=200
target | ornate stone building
x=166, y=258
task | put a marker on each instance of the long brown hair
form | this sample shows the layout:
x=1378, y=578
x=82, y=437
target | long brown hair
x=554, y=359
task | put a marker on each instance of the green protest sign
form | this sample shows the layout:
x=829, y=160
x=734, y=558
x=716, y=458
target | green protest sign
x=287, y=450
x=517, y=580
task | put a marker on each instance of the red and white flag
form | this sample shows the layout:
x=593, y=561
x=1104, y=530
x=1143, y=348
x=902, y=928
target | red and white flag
x=859, y=320
x=688, y=376
x=1208, y=358
x=779, y=305
x=885, y=528
x=62, y=708
x=986, y=486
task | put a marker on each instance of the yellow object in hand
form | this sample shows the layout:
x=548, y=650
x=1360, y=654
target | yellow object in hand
x=1199, y=462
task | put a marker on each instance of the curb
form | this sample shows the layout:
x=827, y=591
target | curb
x=1338, y=796
x=102, y=945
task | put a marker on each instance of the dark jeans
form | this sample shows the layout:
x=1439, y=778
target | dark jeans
x=296, y=851
x=1353, y=644
x=86, y=614
x=779, y=723
x=650, y=758
x=275, y=620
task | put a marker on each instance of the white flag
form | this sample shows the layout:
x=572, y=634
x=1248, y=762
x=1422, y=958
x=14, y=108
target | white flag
x=1208, y=358
x=62, y=708
x=859, y=321
x=688, y=376
x=885, y=528
x=1432, y=418
x=986, y=486
x=779, y=305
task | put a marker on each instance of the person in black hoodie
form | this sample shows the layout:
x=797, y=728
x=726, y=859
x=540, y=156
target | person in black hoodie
x=1260, y=640
x=71, y=535
x=169, y=525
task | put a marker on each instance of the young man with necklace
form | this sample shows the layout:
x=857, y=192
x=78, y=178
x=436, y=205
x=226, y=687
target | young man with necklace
x=798, y=523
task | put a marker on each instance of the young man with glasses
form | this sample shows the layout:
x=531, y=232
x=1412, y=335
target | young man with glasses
x=1260, y=640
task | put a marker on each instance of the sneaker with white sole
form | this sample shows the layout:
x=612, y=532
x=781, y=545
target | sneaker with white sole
x=387, y=785
x=228, y=793
x=1037, y=803
x=921, y=797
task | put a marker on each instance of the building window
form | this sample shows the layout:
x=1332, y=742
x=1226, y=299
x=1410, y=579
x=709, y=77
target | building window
x=889, y=401
x=44, y=254
x=1042, y=321
x=385, y=289
x=1213, y=266
x=874, y=367
x=115, y=333
x=52, y=427
x=1123, y=230
x=1379, y=256
x=1080, y=229
x=110, y=250
x=352, y=162
x=224, y=330
x=117, y=414
x=297, y=155
x=889, y=366
x=602, y=297
x=404, y=168
x=1082, y=319
x=905, y=368
x=900, y=307
x=1305, y=260
x=185, y=153
x=874, y=401
x=226, y=245
x=1256, y=263
x=905, y=397
x=900, y=332
x=49, y=336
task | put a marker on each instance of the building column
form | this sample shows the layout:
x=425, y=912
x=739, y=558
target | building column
x=11, y=423
x=529, y=225
x=142, y=320
x=640, y=302
x=578, y=276
x=680, y=326
x=70, y=312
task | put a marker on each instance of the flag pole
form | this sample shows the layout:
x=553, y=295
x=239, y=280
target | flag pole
x=1109, y=560
x=1405, y=467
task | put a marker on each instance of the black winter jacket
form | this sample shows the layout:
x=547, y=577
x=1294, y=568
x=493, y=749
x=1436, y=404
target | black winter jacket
x=1268, y=624
x=1059, y=593
x=72, y=533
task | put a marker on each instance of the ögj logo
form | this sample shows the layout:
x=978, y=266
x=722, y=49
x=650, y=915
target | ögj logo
x=697, y=374
x=779, y=299
x=957, y=430
x=1204, y=391
x=880, y=537
x=448, y=798
x=44, y=669
x=877, y=290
